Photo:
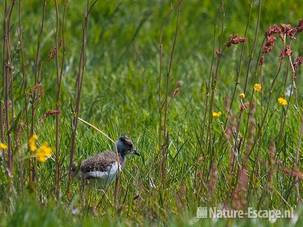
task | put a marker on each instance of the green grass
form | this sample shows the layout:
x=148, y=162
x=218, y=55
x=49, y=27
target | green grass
x=120, y=96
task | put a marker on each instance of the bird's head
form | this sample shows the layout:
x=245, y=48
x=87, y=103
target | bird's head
x=125, y=146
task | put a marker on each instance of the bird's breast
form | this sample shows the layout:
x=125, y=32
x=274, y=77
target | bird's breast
x=104, y=176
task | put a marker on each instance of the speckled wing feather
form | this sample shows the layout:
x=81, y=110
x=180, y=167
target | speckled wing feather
x=100, y=162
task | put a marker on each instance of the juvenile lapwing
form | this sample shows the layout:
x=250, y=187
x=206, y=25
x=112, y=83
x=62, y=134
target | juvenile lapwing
x=104, y=167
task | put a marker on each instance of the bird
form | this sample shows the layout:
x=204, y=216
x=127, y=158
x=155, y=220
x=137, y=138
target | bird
x=104, y=167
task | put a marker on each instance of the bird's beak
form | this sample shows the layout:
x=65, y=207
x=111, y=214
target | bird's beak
x=135, y=152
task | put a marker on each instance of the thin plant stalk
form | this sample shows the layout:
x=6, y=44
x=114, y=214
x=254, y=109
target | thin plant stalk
x=24, y=87
x=32, y=162
x=7, y=73
x=212, y=89
x=60, y=45
x=165, y=113
x=239, y=69
x=79, y=81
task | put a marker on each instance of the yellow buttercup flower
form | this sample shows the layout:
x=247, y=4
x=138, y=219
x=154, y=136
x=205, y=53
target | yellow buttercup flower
x=282, y=101
x=32, y=143
x=257, y=87
x=41, y=157
x=242, y=95
x=3, y=146
x=44, y=152
x=217, y=114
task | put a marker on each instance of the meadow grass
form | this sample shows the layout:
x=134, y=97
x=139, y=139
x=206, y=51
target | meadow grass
x=156, y=71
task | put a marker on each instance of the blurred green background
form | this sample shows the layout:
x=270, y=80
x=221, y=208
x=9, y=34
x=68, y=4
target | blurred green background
x=120, y=88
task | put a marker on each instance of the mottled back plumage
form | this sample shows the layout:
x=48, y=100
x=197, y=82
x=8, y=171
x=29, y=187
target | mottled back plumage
x=99, y=162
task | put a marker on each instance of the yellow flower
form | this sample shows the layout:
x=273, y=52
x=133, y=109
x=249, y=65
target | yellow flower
x=282, y=101
x=43, y=153
x=3, y=146
x=217, y=114
x=32, y=143
x=242, y=95
x=257, y=87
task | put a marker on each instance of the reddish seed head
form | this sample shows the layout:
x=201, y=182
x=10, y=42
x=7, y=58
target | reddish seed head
x=270, y=40
x=52, y=113
x=298, y=62
x=235, y=39
x=292, y=33
x=282, y=29
x=285, y=27
x=286, y=52
x=288, y=30
x=266, y=49
x=274, y=29
x=269, y=44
